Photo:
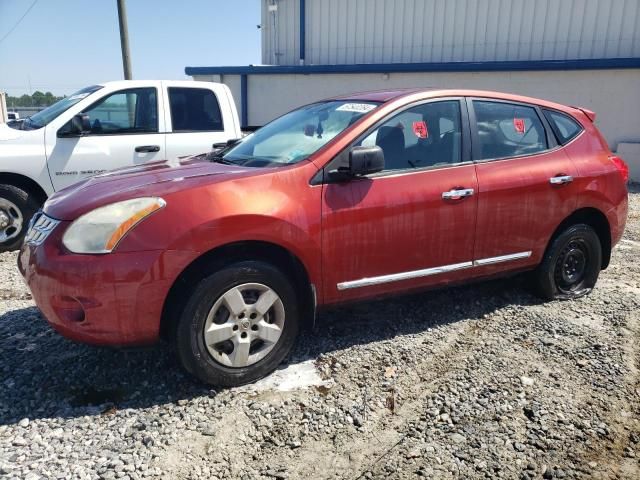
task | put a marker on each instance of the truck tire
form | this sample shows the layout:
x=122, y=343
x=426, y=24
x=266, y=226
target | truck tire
x=17, y=206
x=239, y=324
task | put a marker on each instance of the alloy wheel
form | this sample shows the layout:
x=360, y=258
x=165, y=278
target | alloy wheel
x=10, y=220
x=244, y=325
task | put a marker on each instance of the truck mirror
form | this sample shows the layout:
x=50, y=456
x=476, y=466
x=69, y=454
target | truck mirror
x=81, y=123
x=76, y=127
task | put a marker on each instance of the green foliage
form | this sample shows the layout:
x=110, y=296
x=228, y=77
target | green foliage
x=38, y=99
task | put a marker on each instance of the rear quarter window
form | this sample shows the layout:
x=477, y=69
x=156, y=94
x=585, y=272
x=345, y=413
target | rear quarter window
x=565, y=127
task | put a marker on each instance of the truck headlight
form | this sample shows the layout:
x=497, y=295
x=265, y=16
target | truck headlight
x=100, y=230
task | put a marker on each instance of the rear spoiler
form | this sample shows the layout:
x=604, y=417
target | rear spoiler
x=591, y=115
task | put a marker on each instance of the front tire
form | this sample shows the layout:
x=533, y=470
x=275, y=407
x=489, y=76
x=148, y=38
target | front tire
x=238, y=325
x=571, y=264
x=17, y=206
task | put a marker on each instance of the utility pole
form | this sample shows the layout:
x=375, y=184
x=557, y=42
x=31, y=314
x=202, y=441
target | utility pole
x=124, y=39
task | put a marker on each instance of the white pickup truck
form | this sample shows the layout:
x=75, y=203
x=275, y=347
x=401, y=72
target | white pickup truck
x=100, y=128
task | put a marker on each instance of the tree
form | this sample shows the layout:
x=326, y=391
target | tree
x=38, y=99
x=25, y=101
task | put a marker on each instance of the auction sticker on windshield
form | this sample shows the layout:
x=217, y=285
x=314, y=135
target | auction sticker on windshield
x=355, y=107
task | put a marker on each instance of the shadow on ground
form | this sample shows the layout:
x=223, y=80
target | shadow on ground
x=44, y=375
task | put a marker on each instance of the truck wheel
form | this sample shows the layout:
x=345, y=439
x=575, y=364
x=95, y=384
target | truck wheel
x=238, y=325
x=17, y=206
x=570, y=266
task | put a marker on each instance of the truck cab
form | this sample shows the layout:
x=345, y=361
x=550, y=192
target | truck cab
x=103, y=127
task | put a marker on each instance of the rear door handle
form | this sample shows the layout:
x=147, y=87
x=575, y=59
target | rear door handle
x=561, y=180
x=148, y=148
x=457, y=194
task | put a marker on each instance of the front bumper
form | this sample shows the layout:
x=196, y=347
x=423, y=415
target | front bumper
x=112, y=299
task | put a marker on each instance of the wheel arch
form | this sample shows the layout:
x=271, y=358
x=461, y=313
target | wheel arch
x=223, y=255
x=597, y=220
x=25, y=183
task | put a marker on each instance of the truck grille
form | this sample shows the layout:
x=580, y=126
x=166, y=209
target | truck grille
x=39, y=228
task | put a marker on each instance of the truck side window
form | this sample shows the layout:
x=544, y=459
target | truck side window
x=194, y=109
x=134, y=110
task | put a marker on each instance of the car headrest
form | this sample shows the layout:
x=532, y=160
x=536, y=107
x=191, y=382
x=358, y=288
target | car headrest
x=390, y=137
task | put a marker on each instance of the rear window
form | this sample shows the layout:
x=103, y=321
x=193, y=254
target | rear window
x=194, y=109
x=508, y=130
x=565, y=127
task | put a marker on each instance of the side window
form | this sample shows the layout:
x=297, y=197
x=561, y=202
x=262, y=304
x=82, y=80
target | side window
x=194, y=109
x=508, y=130
x=423, y=136
x=566, y=128
x=127, y=111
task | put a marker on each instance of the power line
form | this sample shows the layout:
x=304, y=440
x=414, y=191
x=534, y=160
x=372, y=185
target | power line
x=20, y=20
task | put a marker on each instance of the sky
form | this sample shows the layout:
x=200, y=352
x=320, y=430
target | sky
x=64, y=45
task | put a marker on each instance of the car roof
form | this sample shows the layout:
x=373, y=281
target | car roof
x=389, y=95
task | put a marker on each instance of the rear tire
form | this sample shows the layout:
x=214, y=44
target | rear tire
x=570, y=266
x=239, y=324
x=17, y=206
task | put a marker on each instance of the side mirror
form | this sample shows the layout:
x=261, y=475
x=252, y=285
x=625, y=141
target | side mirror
x=76, y=127
x=362, y=161
x=81, y=123
x=229, y=143
x=365, y=160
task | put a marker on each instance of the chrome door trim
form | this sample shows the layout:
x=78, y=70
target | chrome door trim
x=426, y=272
x=501, y=258
x=396, y=277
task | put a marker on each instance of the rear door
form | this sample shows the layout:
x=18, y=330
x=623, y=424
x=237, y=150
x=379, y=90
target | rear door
x=525, y=181
x=412, y=224
x=125, y=131
x=197, y=117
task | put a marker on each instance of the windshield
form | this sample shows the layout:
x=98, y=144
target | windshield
x=296, y=135
x=45, y=116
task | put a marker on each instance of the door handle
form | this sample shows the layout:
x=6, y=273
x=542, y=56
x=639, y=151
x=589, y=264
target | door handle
x=148, y=148
x=561, y=180
x=457, y=194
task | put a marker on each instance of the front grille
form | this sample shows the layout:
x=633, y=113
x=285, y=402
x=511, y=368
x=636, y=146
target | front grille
x=39, y=228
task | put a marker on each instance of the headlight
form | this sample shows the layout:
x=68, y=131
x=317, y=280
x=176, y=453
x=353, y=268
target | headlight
x=100, y=230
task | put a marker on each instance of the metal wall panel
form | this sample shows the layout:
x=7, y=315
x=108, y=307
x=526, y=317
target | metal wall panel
x=396, y=31
x=280, y=32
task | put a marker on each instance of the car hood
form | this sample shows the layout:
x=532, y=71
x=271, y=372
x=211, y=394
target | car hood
x=151, y=179
x=8, y=133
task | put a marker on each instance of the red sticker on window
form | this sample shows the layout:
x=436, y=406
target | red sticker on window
x=420, y=129
x=518, y=124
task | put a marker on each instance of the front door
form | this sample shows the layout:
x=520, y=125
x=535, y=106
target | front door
x=411, y=225
x=124, y=132
x=525, y=182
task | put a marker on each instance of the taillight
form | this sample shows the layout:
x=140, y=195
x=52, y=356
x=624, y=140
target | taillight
x=622, y=167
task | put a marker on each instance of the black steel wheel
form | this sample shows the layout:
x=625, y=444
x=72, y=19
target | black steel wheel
x=571, y=264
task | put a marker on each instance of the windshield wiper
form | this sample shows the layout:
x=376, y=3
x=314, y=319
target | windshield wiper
x=217, y=158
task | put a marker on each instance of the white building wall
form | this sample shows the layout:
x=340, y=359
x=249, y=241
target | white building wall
x=613, y=94
x=398, y=31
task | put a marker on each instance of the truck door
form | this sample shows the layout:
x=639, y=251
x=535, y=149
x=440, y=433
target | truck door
x=197, y=118
x=125, y=131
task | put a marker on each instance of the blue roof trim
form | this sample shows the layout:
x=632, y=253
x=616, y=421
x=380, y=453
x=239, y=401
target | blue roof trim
x=520, y=65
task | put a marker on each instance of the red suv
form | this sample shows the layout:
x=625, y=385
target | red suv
x=345, y=199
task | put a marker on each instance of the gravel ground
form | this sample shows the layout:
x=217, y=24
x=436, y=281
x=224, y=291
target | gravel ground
x=482, y=381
